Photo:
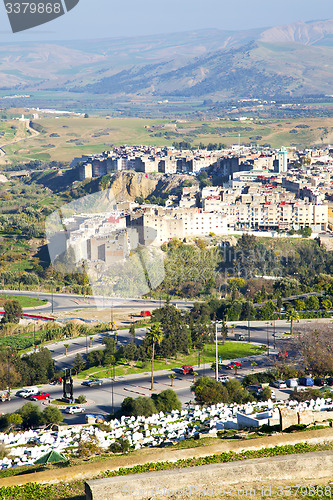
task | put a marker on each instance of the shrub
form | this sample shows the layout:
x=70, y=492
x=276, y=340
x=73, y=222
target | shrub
x=3, y=451
x=81, y=399
x=305, y=395
x=88, y=447
x=121, y=445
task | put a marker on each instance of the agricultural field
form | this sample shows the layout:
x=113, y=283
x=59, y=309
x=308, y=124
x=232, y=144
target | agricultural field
x=63, y=138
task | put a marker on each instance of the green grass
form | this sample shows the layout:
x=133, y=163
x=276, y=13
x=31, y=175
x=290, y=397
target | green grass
x=22, y=341
x=25, y=301
x=229, y=350
x=137, y=131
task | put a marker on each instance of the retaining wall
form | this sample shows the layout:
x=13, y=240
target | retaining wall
x=194, y=482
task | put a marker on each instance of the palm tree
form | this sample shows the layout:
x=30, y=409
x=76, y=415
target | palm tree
x=172, y=378
x=253, y=364
x=292, y=315
x=195, y=374
x=91, y=341
x=66, y=346
x=155, y=336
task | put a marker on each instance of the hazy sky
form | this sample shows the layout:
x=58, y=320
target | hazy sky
x=108, y=18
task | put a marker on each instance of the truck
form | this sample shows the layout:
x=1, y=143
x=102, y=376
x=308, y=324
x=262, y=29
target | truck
x=5, y=396
x=145, y=314
x=27, y=392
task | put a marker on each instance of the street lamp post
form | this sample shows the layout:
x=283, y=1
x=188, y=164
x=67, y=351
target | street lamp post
x=8, y=368
x=216, y=353
x=274, y=334
x=52, y=295
x=267, y=334
x=248, y=322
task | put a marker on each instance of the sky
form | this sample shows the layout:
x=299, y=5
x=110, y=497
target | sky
x=92, y=19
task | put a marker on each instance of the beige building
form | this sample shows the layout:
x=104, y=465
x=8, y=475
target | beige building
x=163, y=225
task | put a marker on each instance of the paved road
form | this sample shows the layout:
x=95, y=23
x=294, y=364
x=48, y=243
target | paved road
x=82, y=345
x=100, y=397
x=65, y=303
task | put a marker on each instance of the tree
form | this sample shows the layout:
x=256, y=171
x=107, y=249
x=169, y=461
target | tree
x=253, y=364
x=279, y=303
x=13, y=312
x=66, y=346
x=31, y=416
x=236, y=392
x=292, y=316
x=15, y=420
x=327, y=304
x=166, y=401
x=265, y=394
x=263, y=293
x=141, y=406
x=209, y=391
x=172, y=378
x=155, y=336
x=78, y=364
x=132, y=332
x=312, y=303
x=224, y=331
x=52, y=415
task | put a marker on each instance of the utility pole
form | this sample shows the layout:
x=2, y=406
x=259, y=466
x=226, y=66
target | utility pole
x=216, y=355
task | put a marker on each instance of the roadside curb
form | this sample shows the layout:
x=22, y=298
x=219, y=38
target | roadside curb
x=89, y=402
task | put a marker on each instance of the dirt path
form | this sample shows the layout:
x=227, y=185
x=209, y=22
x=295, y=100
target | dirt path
x=90, y=470
x=34, y=133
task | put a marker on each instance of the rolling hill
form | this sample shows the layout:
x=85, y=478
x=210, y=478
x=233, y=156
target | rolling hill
x=295, y=59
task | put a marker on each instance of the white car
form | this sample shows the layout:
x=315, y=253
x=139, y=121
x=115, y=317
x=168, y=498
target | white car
x=74, y=409
x=223, y=379
x=279, y=384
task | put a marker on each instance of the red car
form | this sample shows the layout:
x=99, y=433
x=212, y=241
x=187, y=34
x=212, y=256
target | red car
x=233, y=364
x=40, y=395
x=186, y=369
x=145, y=314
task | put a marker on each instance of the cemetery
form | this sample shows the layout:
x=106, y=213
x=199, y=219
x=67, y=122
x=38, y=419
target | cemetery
x=27, y=447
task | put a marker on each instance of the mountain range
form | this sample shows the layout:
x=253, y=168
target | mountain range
x=294, y=59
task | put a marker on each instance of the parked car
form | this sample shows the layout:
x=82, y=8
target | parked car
x=256, y=388
x=233, y=364
x=319, y=381
x=92, y=382
x=279, y=384
x=39, y=396
x=74, y=409
x=292, y=382
x=329, y=381
x=223, y=379
x=307, y=381
x=186, y=370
